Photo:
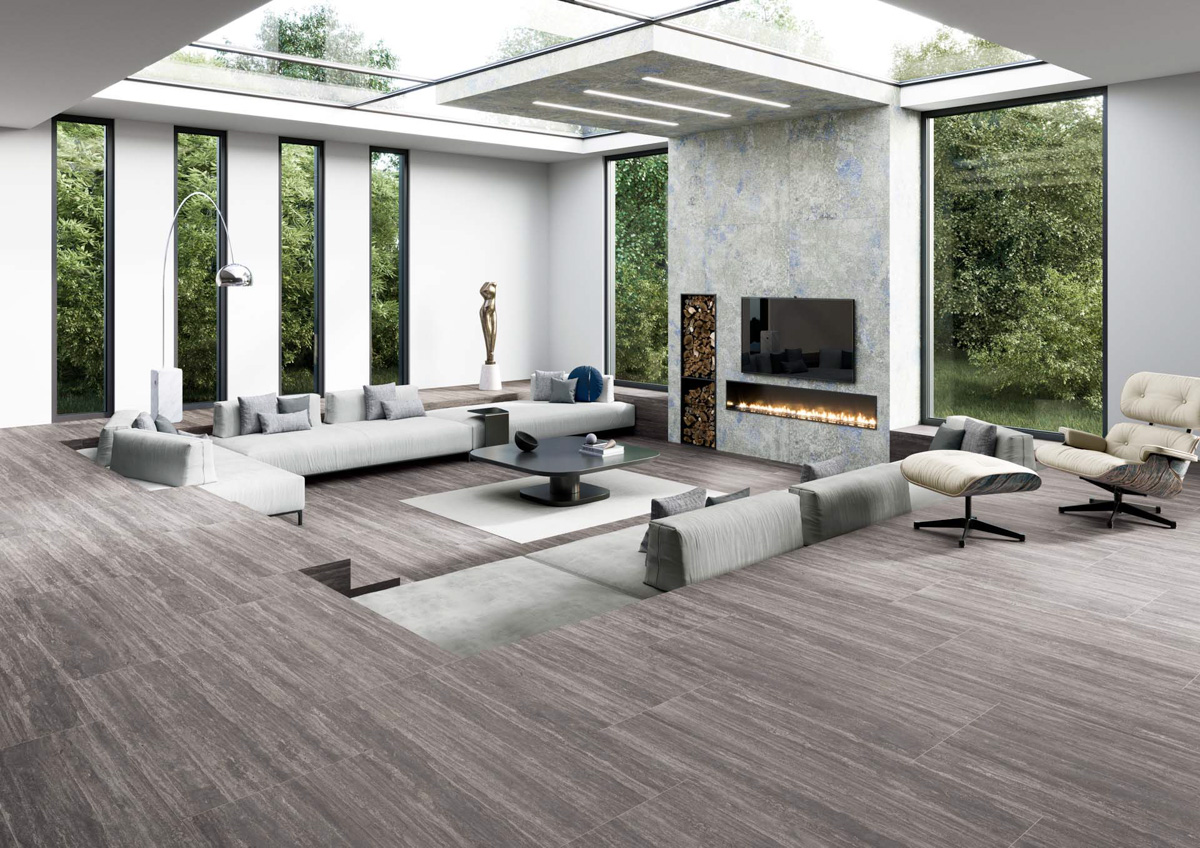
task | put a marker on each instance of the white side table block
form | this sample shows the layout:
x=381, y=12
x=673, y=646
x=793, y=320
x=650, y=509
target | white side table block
x=166, y=393
x=489, y=378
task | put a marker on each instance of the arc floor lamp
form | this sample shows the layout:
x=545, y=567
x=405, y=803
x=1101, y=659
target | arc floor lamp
x=166, y=383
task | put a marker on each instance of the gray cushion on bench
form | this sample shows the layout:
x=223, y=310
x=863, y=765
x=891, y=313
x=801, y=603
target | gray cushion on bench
x=1011, y=445
x=172, y=460
x=835, y=505
x=706, y=543
x=122, y=420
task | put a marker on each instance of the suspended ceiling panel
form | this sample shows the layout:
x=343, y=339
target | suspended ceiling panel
x=557, y=85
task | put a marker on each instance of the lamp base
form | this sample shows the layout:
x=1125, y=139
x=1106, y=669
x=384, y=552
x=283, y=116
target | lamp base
x=489, y=378
x=166, y=394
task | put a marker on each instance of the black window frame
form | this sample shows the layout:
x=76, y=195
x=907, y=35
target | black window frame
x=319, y=261
x=610, y=250
x=110, y=283
x=222, y=257
x=927, y=281
x=402, y=323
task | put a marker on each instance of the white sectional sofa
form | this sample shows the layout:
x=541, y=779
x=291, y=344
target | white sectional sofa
x=266, y=472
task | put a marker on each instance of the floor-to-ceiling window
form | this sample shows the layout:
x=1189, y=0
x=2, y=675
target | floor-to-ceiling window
x=83, y=280
x=637, y=348
x=1015, y=264
x=199, y=251
x=300, y=263
x=389, y=266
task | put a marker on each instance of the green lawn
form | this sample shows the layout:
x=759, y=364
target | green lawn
x=963, y=389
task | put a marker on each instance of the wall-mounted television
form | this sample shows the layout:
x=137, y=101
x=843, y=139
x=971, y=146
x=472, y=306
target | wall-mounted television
x=809, y=338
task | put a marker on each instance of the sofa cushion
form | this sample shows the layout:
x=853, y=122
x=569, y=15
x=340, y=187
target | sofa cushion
x=283, y=422
x=356, y=444
x=590, y=383
x=374, y=396
x=673, y=505
x=562, y=391
x=344, y=406
x=162, y=425
x=1012, y=445
x=293, y=403
x=700, y=545
x=122, y=419
x=401, y=408
x=853, y=500
x=717, y=500
x=144, y=422
x=250, y=407
x=227, y=413
x=544, y=420
x=539, y=383
x=810, y=471
x=172, y=460
x=979, y=437
x=947, y=438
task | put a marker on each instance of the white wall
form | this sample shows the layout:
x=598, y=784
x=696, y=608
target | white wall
x=143, y=200
x=253, y=179
x=577, y=247
x=347, y=265
x=1153, y=210
x=26, y=287
x=474, y=220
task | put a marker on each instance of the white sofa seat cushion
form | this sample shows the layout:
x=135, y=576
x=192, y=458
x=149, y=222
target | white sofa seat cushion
x=166, y=458
x=546, y=420
x=261, y=487
x=357, y=444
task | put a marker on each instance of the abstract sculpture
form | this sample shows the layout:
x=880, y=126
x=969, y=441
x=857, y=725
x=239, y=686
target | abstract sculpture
x=489, y=377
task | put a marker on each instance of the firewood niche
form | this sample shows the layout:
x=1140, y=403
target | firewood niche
x=698, y=371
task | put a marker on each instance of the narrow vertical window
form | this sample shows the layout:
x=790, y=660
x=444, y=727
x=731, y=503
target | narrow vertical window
x=389, y=296
x=300, y=266
x=83, y=267
x=199, y=251
x=1015, y=218
x=638, y=257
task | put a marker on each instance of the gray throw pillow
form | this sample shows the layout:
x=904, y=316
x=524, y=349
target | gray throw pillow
x=539, y=388
x=250, y=407
x=562, y=391
x=294, y=403
x=947, y=438
x=143, y=422
x=284, y=422
x=164, y=426
x=375, y=396
x=732, y=496
x=979, y=437
x=810, y=471
x=673, y=505
x=395, y=410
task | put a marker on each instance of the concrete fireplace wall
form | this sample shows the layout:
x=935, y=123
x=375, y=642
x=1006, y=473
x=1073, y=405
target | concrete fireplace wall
x=824, y=206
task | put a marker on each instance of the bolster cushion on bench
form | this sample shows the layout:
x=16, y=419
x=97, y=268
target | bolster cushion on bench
x=706, y=543
x=845, y=502
x=164, y=458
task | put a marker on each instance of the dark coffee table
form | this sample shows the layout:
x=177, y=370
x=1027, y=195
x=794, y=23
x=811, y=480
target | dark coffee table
x=560, y=460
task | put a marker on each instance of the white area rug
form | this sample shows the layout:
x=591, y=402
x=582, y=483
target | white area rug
x=499, y=508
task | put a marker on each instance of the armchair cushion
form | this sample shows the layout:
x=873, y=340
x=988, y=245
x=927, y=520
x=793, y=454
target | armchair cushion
x=1084, y=463
x=1127, y=439
x=1083, y=440
x=1168, y=399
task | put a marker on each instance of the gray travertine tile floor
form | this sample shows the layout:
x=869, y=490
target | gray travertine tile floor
x=167, y=678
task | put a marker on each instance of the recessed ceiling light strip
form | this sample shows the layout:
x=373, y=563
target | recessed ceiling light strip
x=605, y=114
x=717, y=92
x=658, y=103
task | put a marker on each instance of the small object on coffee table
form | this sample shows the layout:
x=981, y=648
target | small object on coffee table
x=560, y=460
x=609, y=448
x=590, y=439
x=525, y=441
x=495, y=424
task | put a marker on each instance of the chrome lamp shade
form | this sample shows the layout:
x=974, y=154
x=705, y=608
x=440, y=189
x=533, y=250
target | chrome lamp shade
x=234, y=275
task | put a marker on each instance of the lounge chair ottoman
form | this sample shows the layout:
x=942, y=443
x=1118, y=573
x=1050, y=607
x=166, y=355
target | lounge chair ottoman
x=962, y=474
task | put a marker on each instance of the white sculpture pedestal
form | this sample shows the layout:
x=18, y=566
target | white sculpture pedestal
x=489, y=378
x=166, y=393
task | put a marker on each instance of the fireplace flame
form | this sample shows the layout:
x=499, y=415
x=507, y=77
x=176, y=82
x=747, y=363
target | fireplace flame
x=846, y=419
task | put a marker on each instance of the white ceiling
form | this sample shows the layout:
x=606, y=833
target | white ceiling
x=1108, y=40
x=56, y=53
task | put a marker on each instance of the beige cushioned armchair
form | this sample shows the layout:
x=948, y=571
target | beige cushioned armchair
x=1136, y=459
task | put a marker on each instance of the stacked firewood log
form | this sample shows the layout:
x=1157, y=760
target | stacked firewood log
x=699, y=322
x=700, y=416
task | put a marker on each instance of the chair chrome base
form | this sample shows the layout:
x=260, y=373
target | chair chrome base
x=1117, y=506
x=968, y=523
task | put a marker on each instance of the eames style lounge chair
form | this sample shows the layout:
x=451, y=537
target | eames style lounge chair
x=1136, y=459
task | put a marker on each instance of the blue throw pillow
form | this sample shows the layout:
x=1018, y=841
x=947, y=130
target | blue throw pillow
x=590, y=385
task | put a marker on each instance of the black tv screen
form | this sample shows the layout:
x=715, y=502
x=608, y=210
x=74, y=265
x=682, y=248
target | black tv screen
x=809, y=338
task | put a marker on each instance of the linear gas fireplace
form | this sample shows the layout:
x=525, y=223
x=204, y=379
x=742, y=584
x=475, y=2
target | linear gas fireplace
x=843, y=408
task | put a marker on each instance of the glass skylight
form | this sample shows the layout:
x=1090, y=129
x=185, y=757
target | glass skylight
x=865, y=36
x=383, y=56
